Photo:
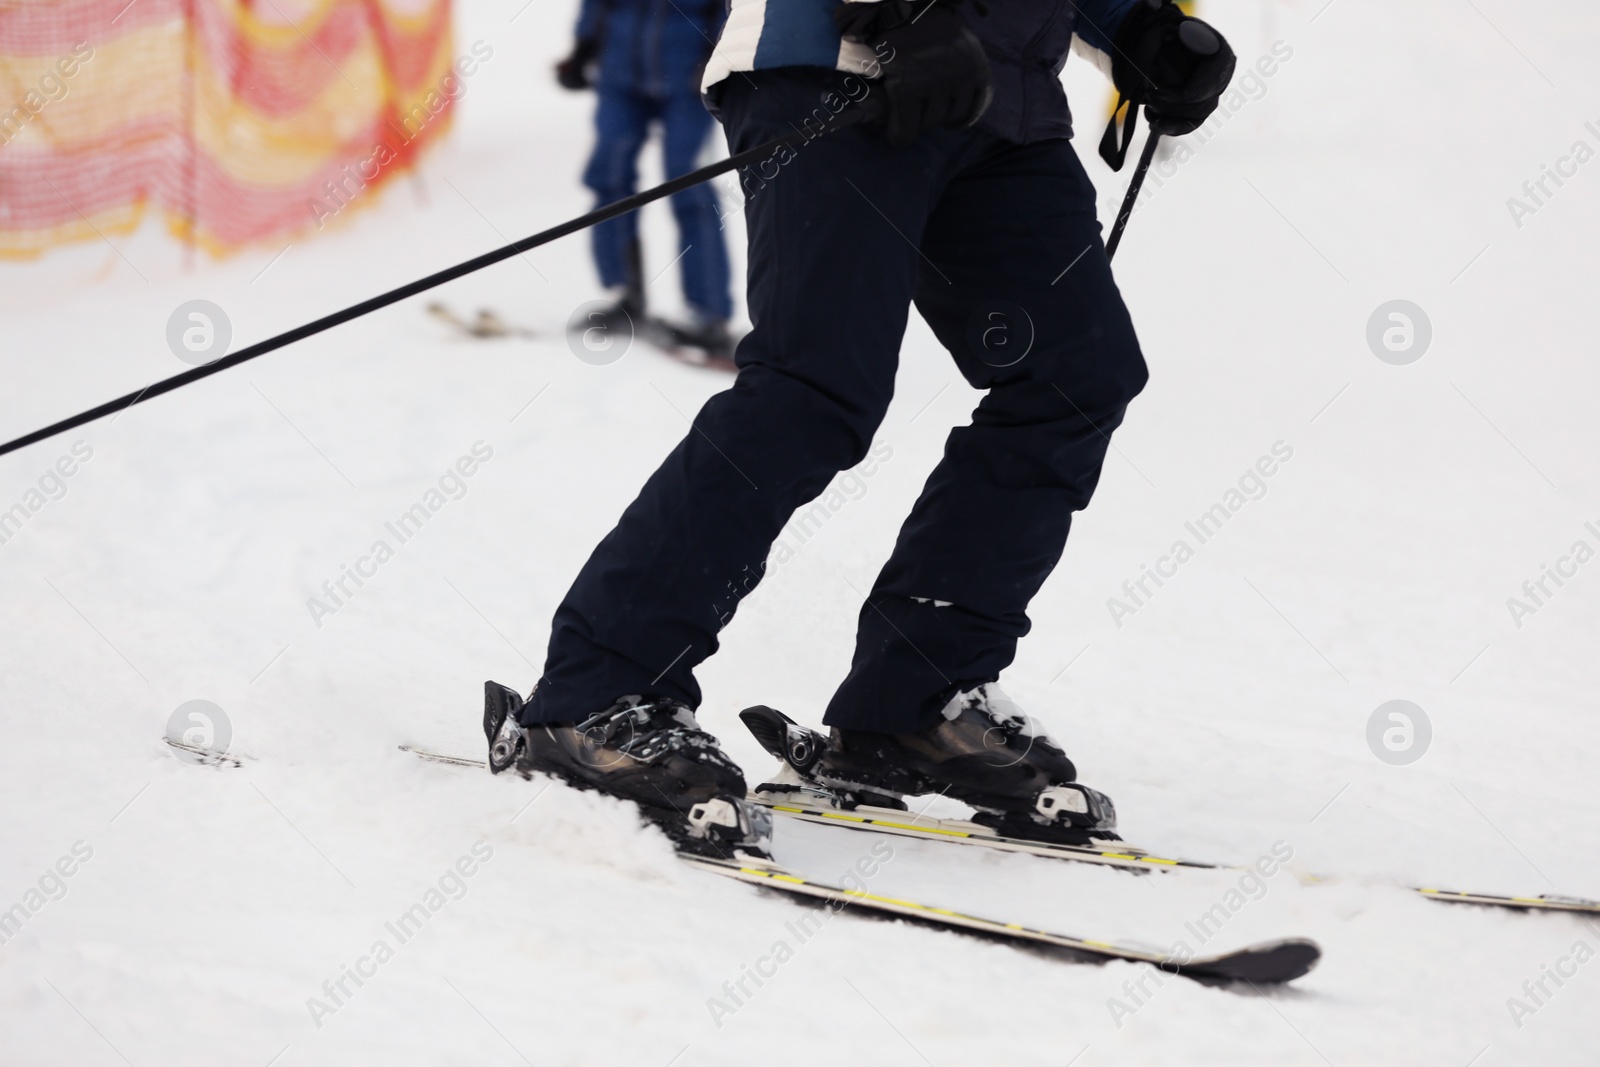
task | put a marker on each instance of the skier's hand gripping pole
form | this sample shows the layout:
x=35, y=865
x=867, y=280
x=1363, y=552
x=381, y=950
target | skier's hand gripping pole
x=935, y=74
x=1176, y=68
x=868, y=108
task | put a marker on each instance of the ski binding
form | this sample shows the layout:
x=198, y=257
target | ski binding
x=1069, y=813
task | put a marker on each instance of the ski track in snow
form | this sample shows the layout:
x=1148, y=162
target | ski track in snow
x=1227, y=714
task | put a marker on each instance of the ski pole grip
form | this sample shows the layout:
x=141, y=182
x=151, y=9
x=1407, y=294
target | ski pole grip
x=1199, y=38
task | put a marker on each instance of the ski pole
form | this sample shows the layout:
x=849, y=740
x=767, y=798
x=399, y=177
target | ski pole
x=355, y=311
x=1199, y=41
x=1134, y=186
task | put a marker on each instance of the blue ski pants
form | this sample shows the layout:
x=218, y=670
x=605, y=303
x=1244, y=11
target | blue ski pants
x=622, y=125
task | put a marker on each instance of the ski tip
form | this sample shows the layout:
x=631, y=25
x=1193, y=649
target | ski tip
x=202, y=754
x=439, y=757
x=1272, y=962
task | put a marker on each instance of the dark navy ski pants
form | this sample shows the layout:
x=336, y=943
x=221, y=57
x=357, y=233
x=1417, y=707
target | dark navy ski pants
x=998, y=245
x=622, y=121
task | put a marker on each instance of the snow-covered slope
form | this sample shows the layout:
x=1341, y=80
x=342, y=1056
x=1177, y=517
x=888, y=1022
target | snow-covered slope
x=210, y=911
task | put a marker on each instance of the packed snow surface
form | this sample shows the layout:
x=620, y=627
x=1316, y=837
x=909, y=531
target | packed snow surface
x=215, y=915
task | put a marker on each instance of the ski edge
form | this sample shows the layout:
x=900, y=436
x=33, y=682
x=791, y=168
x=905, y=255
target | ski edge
x=1547, y=902
x=1272, y=962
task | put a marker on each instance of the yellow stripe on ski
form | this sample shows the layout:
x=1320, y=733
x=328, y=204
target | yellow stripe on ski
x=989, y=840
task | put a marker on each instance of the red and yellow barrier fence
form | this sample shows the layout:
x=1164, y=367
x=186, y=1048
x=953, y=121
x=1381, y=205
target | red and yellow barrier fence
x=240, y=121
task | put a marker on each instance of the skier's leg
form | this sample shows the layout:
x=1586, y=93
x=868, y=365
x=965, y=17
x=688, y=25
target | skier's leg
x=685, y=123
x=830, y=289
x=621, y=125
x=1019, y=259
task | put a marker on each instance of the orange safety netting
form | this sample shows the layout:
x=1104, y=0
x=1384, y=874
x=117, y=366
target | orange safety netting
x=242, y=120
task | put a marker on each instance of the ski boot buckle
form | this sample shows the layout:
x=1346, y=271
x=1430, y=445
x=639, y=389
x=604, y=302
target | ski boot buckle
x=506, y=742
x=728, y=824
x=1076, y=805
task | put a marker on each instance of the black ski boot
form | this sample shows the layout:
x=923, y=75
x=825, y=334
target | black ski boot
x=985, y=752
x=648, y=750
x=624, y=315
x=709, y=337
x=627, y=313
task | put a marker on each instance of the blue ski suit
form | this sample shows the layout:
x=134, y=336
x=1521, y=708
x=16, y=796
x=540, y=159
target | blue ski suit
x=651, y=56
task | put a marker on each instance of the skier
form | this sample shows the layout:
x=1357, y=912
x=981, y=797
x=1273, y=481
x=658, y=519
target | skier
x=644, y=59
x=971, y=203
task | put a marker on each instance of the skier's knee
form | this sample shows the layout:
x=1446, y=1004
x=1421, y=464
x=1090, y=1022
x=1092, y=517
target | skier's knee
x=847, y=428
x=610, y=176
x=1116, y=373
x=833, y=428
x=606, y=189
x=1130, y=375
x=854, y=421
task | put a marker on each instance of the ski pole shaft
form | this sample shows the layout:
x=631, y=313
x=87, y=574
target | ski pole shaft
x=1134, y=186
x=393, y=296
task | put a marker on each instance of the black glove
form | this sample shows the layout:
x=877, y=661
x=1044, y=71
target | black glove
x=573, y=72
x=935, y=73
x=1177, y=66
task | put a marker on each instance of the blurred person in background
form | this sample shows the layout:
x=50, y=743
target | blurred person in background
x=644, y=58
